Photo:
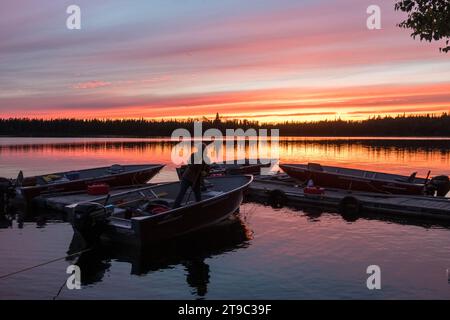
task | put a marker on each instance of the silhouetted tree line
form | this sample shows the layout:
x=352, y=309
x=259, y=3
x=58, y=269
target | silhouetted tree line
x=411, y=125
x=415, y=125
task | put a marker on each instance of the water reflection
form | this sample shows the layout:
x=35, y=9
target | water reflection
x=303, y=254
x=396, y=156
x=315, y=214
x=190, y=251
x=36, y=156
x=312, y=214
x=5, y=222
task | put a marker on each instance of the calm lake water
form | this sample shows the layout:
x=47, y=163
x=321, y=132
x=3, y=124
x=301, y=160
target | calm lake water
x=264, y=253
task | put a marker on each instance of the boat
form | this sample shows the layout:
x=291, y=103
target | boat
x=114, y=176
x=236, y=167
x=367, y=181
x=145, y=215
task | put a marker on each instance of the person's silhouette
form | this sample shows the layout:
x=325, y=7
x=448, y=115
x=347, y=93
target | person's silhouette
x=192, y=176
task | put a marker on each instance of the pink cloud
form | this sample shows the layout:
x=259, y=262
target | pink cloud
x=243, y=64
x=91, y=85
x=120, y=83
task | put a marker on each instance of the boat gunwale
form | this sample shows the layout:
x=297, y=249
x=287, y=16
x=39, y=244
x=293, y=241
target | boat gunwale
x=295, y=167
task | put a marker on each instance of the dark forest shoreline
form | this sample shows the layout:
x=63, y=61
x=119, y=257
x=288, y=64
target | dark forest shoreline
x=401, y=126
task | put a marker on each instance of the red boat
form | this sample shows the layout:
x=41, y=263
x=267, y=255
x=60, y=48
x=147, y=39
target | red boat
x=113, y=176
x=368, y=181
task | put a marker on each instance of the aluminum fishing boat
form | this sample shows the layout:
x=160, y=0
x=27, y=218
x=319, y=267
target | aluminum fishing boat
x=368, y=181
x=145, y=215
x=114, y=176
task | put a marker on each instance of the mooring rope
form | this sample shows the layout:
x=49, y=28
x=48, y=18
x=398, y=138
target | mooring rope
x=43, y=264
x=60, y=290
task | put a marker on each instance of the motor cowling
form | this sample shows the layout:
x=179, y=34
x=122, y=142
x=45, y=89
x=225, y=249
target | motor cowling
x=90, y=220
x=7, y=192
x=6, y=187
x=441, y=185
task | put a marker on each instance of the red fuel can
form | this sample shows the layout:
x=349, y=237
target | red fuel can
x=98, y=189
x=314, y=190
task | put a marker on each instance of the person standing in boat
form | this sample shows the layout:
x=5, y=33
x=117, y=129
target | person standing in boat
x=193, y=175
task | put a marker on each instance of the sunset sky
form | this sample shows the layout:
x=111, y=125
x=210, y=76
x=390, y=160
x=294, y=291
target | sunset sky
x=262, y=60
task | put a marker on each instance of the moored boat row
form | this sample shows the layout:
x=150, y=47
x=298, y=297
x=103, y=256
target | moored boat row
x=121, y=209
x=113, y=203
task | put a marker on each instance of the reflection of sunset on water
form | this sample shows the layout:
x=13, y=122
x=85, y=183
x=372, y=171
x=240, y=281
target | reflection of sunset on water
x=34, y=156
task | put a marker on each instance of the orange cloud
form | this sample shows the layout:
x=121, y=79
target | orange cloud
x=276, y=104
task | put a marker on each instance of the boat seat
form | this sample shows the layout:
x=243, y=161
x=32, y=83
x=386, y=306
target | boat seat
x=211, y=194
x=152, y=207
x=50, y=179
x=410, y=179
x=116, y=168
x=367, y=174
x=315, y=166
x=167, y=200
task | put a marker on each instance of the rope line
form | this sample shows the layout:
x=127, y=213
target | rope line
x=43, y=264
x=60, y=290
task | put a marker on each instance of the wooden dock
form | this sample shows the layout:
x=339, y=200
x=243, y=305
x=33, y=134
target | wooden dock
x=280, y=190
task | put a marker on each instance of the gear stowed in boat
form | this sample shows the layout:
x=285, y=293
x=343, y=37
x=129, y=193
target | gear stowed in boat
x=368, y=181
x=145, y=215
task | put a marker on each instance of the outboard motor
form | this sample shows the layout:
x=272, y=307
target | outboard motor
x=7, y=192
x=440, y=184
x=90, y=220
